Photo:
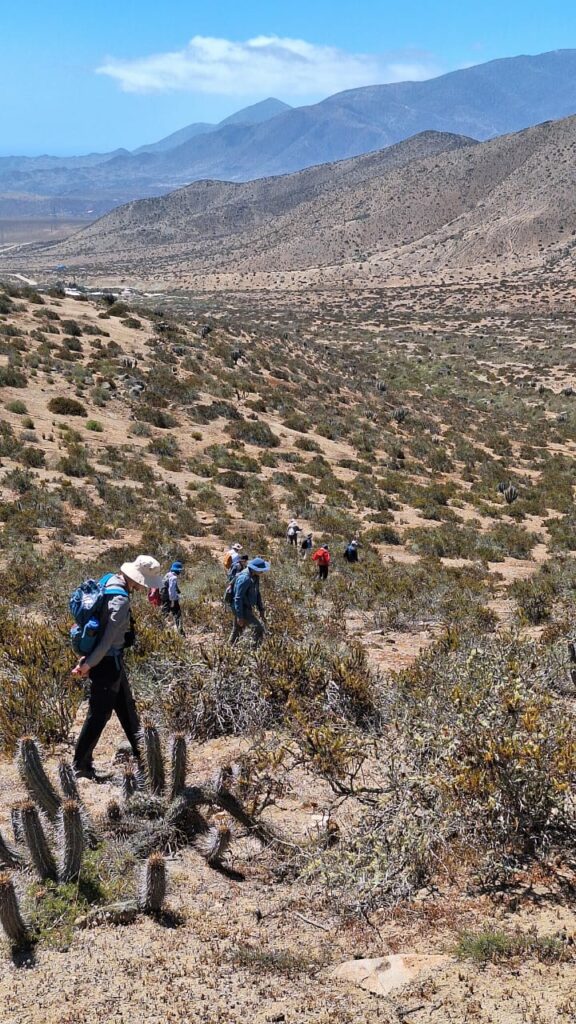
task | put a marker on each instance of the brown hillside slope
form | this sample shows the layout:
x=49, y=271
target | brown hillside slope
x=476, y=210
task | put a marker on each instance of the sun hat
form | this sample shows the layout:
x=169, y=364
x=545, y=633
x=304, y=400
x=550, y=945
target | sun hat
x=176, y=567
x=353, y=543
x=259, y=565
x=143, y=570
x=237, y=547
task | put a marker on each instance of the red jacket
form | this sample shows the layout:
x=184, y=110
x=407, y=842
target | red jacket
x=321, y=556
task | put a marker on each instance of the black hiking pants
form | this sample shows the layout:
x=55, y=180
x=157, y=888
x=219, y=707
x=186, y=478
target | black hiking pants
x=109, y=691
x=253, y=623
x=322, y=572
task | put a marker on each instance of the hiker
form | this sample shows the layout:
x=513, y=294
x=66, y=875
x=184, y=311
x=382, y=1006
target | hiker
x=238, y=565
x=351, y=552
x=170, y=594
x=109, y=687
x=246, y=598
x=322, y=559
x=306, y=546
x=292, y=533
x=230, y=555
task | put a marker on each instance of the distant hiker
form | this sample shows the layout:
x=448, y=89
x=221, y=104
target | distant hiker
x=246, y=598
x=306, y=545
x=104, y=665
x=170, y=595
x=231, y=554
x=292, y=533
x=351, y=552
x=322, y=559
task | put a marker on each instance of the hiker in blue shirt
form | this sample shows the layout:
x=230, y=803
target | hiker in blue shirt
x=246, y=599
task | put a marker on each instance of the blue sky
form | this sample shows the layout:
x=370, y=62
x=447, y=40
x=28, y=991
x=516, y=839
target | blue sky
x=78, y=77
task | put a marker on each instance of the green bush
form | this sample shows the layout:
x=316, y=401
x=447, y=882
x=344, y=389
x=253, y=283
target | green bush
x=66, y=406
x=254, y=432
x=17, y=407
x=94, y=425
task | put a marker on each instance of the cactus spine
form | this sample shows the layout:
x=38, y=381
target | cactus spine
x=153, y=884
x=178, y=765
x=36, y=841
x=71, y=841
x=129, y=782
x=35, y=778
x=70, y=789
x=10, y=915
x=154, y=759
x=16, y=819
x=8, y=857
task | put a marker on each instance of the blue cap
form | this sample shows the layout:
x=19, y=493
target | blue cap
x=176, y=567
x=259, y=565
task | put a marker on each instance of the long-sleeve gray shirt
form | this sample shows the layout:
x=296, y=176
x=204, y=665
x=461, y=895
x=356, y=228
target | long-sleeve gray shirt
x=116, y=623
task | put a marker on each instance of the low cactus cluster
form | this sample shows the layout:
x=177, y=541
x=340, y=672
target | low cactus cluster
x=158, y=812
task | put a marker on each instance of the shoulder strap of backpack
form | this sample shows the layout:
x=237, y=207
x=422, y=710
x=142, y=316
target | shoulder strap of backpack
x=113, y=591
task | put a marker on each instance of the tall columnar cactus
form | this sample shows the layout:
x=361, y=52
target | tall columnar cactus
x=40, y=853
x=9, y=858
x=10, y=915
x=178, y=765
x=152, y=892
x=35, y=778
x=510, y=494
x=69, y=787
x=154, y=759
x=129, y=782
x=71, y=841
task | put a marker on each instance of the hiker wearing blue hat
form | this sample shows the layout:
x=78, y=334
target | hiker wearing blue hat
x=246, y=599
x=170, y=595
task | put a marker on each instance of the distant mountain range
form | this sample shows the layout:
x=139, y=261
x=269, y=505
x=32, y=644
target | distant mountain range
x=435, y=205
x=481, y=102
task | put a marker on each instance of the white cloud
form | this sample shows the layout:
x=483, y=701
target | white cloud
x=264, y=65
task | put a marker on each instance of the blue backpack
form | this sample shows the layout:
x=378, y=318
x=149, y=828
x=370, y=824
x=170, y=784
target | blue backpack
x=87, y=605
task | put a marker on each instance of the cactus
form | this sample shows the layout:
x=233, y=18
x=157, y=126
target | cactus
x=154, y=759
x=152, y=891
x=16, y=819
x=35, y=778
x=214, y=843
x=399, y=415
x=10, y=915
x=178, y=765
x=71, y=841
x=503, y=486
x=40, y=852
x=9, y=858
x=69, y=787
x=113, y=811
x=510, y=494
x=129, y=782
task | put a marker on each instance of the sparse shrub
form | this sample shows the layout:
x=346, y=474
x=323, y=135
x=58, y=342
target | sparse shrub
x=17, y=407
x=95, y=426
x=254, y=432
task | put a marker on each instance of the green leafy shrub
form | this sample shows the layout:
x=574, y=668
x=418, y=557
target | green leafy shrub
x=95, y=426
x=17, y=407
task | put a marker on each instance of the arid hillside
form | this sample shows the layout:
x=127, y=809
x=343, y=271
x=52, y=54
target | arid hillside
x=433, y=207
x=383, y=821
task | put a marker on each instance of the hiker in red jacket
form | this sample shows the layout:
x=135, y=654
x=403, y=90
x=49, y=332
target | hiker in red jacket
x=322, y=559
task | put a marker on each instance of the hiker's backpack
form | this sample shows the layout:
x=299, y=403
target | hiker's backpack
x=228, y=559
x=164, y=592
x=87, y=605
x=155, y=597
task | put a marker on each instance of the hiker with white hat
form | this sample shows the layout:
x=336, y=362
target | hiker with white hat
x=246, y=598
x=109, y=689
x=231, y=555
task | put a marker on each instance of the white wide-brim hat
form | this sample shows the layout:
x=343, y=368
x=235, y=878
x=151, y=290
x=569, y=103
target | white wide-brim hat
x=143, y=570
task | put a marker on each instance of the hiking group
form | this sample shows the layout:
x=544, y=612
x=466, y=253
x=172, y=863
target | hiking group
x=104, y=628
